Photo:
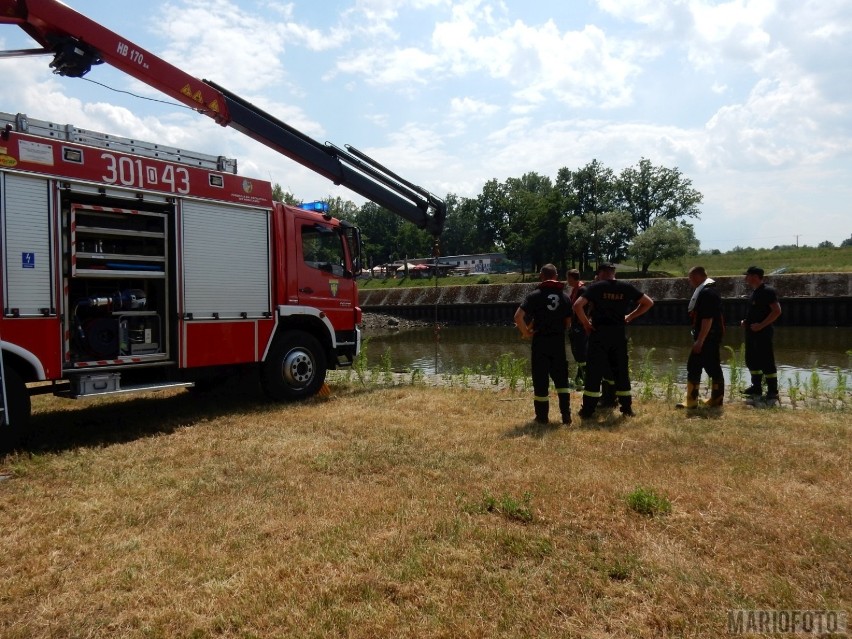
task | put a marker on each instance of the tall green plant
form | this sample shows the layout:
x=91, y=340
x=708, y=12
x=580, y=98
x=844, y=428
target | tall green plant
x=736, y=363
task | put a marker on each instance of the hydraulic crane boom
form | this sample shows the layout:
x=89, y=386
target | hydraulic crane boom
x=77, y=43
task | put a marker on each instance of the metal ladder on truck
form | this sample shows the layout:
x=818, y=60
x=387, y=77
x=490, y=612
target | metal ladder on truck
x=22, y=123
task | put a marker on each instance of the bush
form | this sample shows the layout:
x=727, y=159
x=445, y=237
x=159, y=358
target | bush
x=483, y=280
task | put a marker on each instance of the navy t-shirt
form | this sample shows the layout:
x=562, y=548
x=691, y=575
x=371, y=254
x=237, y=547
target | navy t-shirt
x=761, y=299
x=708, y=305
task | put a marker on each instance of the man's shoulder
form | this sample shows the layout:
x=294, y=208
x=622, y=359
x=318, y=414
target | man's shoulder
x=766, y=292
x=710, y=291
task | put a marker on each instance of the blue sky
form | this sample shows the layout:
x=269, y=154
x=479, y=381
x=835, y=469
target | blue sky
x=750, y=99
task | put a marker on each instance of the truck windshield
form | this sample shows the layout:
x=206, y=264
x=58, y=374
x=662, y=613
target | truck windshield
x=322, y=249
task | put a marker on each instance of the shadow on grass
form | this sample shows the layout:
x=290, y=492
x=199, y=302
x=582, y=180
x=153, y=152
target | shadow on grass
x=70, y=424
x=716, y=412
x=605, y=418
x=532, y=429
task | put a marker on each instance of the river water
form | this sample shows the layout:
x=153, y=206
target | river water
x=799, y=351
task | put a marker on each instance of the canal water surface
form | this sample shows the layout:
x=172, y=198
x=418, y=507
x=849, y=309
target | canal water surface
x=798, y=351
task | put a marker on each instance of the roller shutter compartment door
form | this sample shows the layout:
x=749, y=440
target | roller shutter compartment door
x=26, y=245
x=225, y=261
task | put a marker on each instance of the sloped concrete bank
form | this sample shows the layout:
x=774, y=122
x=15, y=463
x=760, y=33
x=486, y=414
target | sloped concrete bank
x=807, y=299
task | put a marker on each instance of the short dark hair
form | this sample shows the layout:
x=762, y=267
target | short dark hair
x=573, y=274
x=698, y=269
x=548, y=272
x=605, y=266
x=754, y=270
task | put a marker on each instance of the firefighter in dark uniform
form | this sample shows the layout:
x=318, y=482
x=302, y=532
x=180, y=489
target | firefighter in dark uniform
x=548, y=309
x=708, y=327
x=576, y=333
x=580, y=344
x=763, y=310
x=610, y=300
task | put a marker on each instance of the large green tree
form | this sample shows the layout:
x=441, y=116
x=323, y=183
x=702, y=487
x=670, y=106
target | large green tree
x=650, y=193
x=462, y=234
x=663, y=240
x=587, y=194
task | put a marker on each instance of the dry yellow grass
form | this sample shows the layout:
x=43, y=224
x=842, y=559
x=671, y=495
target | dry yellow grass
x=416, y=512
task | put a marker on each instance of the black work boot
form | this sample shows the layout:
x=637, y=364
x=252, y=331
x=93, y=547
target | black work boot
x=588, y=409
x=626, y=406
x=565, y=407
x=608, y=399
x=771, y=388
x=541, y=411
x=756, y=389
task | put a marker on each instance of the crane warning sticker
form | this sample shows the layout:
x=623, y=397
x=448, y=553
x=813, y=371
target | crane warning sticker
x=35, y=152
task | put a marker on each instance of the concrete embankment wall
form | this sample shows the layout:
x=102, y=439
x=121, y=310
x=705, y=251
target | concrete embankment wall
x=810, y=299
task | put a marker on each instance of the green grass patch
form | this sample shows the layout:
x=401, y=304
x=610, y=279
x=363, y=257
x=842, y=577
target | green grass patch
x=646, y=501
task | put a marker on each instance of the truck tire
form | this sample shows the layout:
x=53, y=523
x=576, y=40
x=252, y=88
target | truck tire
x=19, y=407
x=295, y=367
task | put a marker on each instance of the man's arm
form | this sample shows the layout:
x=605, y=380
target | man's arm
x=774, y=314
x=580, y=312
x=704, y=331
x=521, y=323
x=645, y=304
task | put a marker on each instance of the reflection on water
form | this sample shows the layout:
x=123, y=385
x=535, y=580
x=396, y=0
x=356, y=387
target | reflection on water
x=797, y=350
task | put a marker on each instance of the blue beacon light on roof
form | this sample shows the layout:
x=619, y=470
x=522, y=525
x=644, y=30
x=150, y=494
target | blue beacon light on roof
x=320, y=207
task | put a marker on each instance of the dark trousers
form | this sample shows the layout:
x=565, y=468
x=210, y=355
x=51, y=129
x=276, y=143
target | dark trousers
x=579, y=343
x=707, y=360
x=607, y=354
x=759, y=353
x=760, y=358
x=548, y=362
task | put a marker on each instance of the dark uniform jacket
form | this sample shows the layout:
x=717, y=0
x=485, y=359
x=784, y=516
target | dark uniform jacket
x=611, y=300
x=548, y=307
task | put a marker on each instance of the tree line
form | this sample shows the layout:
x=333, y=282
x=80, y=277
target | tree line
x=583, y=217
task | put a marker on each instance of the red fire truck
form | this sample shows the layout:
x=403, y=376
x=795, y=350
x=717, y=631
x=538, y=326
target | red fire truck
x=130, y=266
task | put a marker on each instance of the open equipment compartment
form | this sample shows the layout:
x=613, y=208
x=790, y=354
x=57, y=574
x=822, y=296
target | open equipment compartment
x=117, y=278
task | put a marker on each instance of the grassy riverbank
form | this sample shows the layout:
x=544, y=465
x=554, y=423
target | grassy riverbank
x=398, y=509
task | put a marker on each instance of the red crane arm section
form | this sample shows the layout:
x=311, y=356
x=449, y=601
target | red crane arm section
x=52, y=24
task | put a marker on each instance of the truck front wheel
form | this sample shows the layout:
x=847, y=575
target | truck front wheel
x=18, y=407
x=295, y=367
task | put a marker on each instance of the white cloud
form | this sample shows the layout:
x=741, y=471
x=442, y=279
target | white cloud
x=400, y=66
x=471, y=108
x=214, y=39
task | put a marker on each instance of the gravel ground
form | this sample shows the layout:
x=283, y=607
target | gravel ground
x=382, y=321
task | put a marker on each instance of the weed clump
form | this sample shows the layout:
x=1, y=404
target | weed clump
x=646, y=501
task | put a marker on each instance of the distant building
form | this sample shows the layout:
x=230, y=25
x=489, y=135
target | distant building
x=476, y=263
x=417, y=267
